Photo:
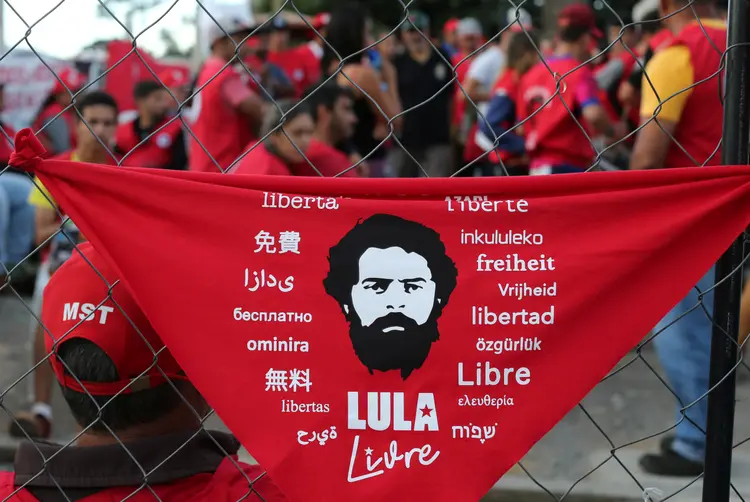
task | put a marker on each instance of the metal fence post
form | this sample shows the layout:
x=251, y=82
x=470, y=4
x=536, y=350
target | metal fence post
x=720, y=425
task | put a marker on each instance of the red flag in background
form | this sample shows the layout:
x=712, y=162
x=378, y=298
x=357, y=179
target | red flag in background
x=125, y=69
x=400, y=340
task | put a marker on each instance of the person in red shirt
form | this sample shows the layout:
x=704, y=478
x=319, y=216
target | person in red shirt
x=226, y=112
x=95, y=133
x=150, y=139
x=498, y=133
x=449, y=36
x=301, y=64
x=134, y=414
x=284, y=145
x=55, y=120
x=332, y=109
x=553, y=110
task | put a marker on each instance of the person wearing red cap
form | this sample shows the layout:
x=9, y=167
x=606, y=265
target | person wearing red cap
x=450, y=38
x=557, y=93
x=151, y=139
x=134, y=414
x=95, y=134
x=332, y=109
x=681, y=126
x=284, y=145
x=227, y=113
x=56, y=116
x=304, y=70
x=178, y=83
x=301, y=64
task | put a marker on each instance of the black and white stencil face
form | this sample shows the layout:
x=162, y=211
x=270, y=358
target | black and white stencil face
x=392, y=279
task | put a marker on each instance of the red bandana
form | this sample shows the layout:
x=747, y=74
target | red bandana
x=372, y=339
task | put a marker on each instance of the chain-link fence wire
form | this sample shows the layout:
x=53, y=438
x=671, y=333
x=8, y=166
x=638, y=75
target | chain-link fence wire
x=627, y=412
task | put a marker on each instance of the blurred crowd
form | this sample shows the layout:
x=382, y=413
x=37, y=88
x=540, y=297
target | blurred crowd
x=419, y=100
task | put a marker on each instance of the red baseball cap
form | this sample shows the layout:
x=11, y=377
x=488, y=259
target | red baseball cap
x=78, y=303
x=321, y=20
x=451, y=25
x=173, y=77
x=71, y=78
x=580, y=16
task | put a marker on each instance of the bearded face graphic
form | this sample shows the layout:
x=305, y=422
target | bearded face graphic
x=392, y=279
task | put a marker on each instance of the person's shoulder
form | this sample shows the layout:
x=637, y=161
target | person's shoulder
x=253, y=161
x=675, y=57
x=126, y=127
x=400, y=58
x=323, y=159
x=506, y=83
x=491, y=55
x=532, y=75
x=486, y=61
x=363, y=75
x=319, y=151
x=212, y=64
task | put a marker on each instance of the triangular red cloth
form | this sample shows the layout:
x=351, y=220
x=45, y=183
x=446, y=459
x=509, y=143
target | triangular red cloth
x=402, y=303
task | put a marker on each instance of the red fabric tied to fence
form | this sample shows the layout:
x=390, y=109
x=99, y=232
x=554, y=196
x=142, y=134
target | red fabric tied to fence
x=400, y=340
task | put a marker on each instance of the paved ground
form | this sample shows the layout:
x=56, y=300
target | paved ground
x=627, y=407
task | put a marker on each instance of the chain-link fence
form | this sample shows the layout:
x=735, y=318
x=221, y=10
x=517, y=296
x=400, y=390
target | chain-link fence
x=558, y=88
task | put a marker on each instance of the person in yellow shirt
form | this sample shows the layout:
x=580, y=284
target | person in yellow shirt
x=674, y=92
x=95, y=133
x=681, y=117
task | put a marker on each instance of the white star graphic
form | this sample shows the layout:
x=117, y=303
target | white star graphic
x=368, y=451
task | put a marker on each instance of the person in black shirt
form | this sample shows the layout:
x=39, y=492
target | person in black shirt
x=153, y=138
x=424, y=85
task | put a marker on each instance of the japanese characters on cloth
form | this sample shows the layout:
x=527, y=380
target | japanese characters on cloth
x=399, y=340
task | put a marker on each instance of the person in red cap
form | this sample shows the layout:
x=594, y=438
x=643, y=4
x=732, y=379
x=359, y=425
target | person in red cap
x=151, y=139
x=301, y=64
x=134, y=414
x=284, y=146
x=332, y=109
x=56, y=116
x=178, y=83
x=95, y=134
x=226, y=112
x=450, y=38
x=557, y=93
